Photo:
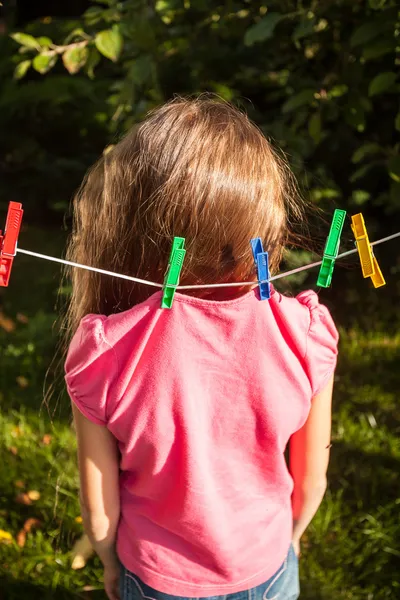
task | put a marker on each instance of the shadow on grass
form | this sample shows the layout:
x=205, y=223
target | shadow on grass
x=11, y=589
x=309, y=591
x=370, y=478
x=367, y=484
x=374, y=362
x=367, y=393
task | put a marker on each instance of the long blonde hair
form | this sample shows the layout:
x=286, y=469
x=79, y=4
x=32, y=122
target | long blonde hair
x=199, y=169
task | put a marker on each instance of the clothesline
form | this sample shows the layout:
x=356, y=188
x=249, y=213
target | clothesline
x=196, y=287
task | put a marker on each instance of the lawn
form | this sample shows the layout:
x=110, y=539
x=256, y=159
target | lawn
x=351, y=550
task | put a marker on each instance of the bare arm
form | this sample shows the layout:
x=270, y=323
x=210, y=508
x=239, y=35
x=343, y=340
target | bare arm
x=99, y=487
x=309, y=458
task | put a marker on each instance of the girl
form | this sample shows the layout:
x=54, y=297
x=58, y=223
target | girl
x=183, y=415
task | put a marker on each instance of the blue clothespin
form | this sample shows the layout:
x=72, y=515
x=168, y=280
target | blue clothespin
x=261, y=262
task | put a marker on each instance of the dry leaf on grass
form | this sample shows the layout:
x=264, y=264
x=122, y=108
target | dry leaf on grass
x=22, y=318
x=16, y=431
x=22, y=381
x=14, y=450
x=46, y=439
x=21, y=538
x=81, y=552
x=19, y=483
x=28, y=526
x=31, y=523
x=6, y=323
x=23, y=499
x=33, y=495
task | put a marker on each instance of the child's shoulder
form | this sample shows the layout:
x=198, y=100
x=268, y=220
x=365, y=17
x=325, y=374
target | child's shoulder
x=320, y=317
x=306, y=314
x=98, y=333
x=304, y=304
x=321, y=335
x=139, y=317
x=97, y=352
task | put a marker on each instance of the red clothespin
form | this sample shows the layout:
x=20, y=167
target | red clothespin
x=8, y=241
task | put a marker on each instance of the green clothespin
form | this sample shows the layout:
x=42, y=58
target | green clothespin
x=331, y=249
x=172, y=276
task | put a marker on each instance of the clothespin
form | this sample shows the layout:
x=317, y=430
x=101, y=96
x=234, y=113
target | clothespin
x=261, y=262
x=331, y=249
x=8, y=241
x=173, y=273
x=369, y=264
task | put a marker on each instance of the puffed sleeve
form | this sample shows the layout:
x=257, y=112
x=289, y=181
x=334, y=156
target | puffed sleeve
x=321, y=344
x=90, y=369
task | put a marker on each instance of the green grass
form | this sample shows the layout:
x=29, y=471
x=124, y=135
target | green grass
x=351, y=550
x=352, y=547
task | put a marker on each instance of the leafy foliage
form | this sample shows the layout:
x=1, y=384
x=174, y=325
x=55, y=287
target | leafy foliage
x=263, y=29
x=109, y=43
x=322, y=77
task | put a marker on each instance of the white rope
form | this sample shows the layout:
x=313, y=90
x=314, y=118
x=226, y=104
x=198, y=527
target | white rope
x=95, y=269
x=196, y=287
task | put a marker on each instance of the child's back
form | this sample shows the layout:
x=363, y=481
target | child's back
x=202, y=401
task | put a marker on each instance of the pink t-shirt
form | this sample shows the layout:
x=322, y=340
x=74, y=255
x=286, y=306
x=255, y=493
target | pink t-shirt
x=203, y=399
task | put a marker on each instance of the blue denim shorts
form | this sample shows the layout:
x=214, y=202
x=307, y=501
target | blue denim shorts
x=283, y=585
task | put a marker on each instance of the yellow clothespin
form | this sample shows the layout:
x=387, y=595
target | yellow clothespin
x=369, y=264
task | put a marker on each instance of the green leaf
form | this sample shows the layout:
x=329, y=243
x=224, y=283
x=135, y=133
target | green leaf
x=338, y=91
x=141, y=69
x=75, y=58
x=376, y=4
x=162, y=5
x=364, y=151
x=381, y=83
x=109, y=43
x=369, y=31
x=143, y=32
x=21, y=69
x=25, y=40
x=354, y=114
x=78, y=32
x=394, y=168
x=360, y=197
x=397, y=121
x=366, y=104
x=363, y=34
x=302, y=98
x=44, y=41
x=314, y=127
x=304, y=29
x=223, y=91
x=92, y=62
x=379, y=48
x=263, y=30
x=318, y=194
x=42, y=63
x=93, y=15
x=361, y=172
